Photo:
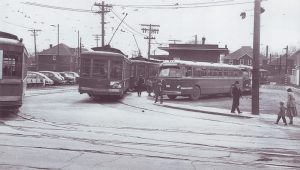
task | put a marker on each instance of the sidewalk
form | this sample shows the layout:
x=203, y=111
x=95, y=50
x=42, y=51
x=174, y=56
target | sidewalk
x=216, y=111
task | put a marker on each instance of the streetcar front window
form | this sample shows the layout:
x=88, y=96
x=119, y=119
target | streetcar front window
x=170, y=72
x=116, y=70
x=100, y=68
x=11, y=65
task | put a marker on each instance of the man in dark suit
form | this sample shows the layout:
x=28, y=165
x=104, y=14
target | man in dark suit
x=236, y=94
x=140, y=83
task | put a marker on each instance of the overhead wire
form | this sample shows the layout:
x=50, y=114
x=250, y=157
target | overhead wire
x=172, y=5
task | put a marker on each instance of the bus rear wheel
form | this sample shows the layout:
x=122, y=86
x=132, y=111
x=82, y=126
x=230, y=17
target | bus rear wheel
x=172, y=97
x=195, y=93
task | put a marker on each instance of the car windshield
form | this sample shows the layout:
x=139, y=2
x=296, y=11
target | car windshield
x=170, y=72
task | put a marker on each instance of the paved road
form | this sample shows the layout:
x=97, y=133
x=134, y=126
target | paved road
x=61, y=129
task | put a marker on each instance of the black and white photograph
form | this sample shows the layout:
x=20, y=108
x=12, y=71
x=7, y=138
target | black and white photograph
x=149, y=85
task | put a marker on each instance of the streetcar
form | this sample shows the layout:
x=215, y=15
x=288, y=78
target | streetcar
x=105, y=72
x=13, y=58
x=193, y=79
x=148, y=68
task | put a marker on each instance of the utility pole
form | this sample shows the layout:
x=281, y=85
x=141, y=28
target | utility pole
x=97, y=38
x=104, y=8
x=34, y=31
x=256, y=52
x=267, y=52
x=286, y=59
x=57, y=39
x=174, y=41
x=78, y=52
x=152, y=29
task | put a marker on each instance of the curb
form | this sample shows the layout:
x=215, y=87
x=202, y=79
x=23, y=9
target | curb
x=205, y=111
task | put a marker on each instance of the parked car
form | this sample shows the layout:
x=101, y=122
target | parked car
x=36, y=79
x=54, y=76
x=68, y=78
x=74, y=74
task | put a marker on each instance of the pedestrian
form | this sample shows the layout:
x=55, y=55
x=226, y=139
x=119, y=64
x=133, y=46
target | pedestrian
x=140, y=85
x=281, y=113
x=291, y=106
x=149, y=86
x=159, y=90
x=236, y=95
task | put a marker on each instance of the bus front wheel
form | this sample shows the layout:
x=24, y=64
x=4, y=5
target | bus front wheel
x=172, y=97
x=195, y=93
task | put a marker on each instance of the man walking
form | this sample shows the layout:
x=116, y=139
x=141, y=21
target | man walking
x=159, y=90
x=140, y=84
x=236, y=94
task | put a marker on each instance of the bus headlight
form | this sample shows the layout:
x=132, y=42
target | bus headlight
x=115, y=84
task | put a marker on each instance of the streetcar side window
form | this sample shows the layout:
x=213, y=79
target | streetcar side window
x=100, y=68
x=11, y=66
x=116, y=70
x=1, y=64
x=86, y=65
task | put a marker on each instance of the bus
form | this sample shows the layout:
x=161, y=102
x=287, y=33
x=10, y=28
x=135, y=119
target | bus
x=104, y=73
x=13, y=59
x=193, y=79
x=148, y=68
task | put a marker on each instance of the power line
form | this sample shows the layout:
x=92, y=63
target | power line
x=172, y=5
x=127, y=24
x=56, y=7
x=194, y=6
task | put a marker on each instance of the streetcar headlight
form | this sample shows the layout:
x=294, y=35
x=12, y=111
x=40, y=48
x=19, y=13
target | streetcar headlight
x=178, y=86
x=115, y=84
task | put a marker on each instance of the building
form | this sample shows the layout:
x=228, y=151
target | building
x=194, y=52
x=243, y=56
x=58, y=58
x=295, y=77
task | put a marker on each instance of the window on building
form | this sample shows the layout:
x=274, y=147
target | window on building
x=231, y=62
x=116, y=70
x=54, y=57
x=250, y=62
x=242, y=61
x=100, y=68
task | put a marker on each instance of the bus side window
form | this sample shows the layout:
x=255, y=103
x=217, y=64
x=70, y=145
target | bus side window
x=187, y=71
x=197, y=72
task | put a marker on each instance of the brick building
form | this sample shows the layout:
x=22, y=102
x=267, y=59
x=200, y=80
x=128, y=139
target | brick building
x=58, y=58
x=194, y=52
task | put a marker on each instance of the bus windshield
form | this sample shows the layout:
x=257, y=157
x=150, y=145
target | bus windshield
x=170, y=72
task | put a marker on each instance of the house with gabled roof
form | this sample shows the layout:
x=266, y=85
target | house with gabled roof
x=58, y=58
x=242, y=56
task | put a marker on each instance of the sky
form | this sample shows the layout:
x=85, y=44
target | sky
x=219, y=21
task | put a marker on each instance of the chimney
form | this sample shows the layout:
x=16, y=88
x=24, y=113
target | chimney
x=50, y=45
x=203, y=40
x=225, y=45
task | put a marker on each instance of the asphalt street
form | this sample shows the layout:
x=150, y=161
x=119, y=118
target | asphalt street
x=57, y=128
